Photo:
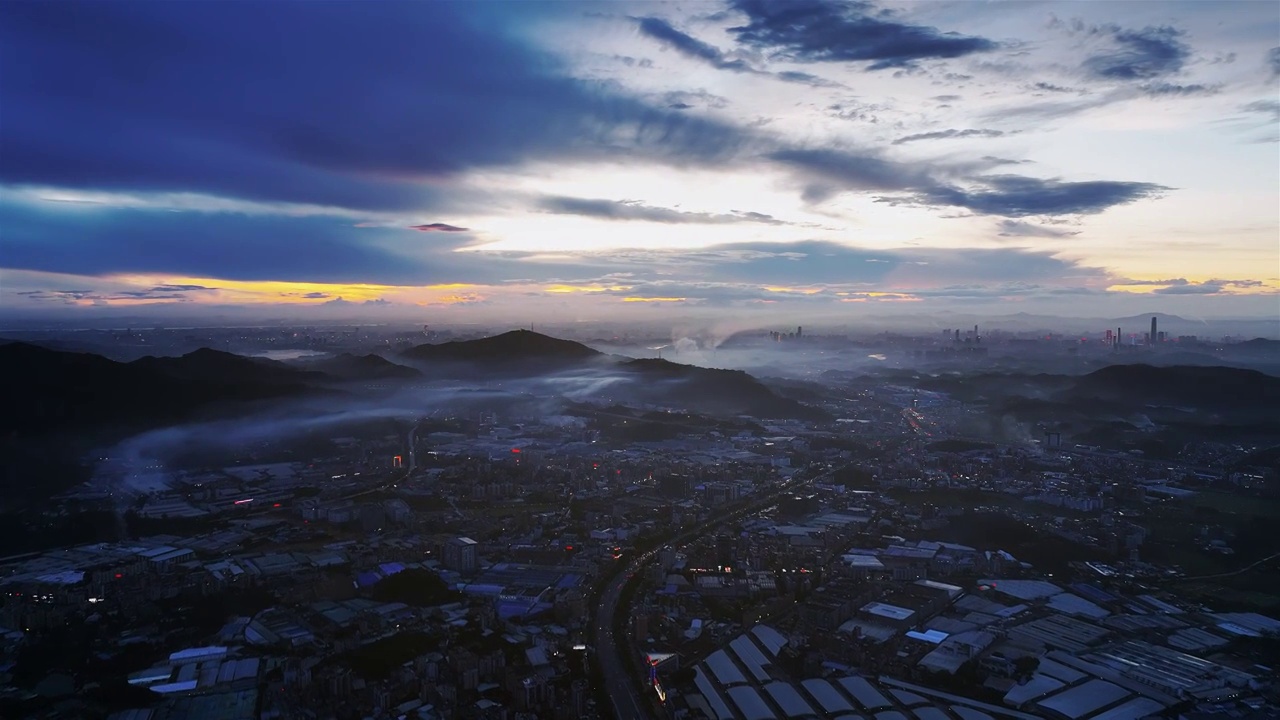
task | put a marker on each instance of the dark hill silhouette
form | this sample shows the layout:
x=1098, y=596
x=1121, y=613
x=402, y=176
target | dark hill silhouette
x=513, y=346
x=1144, y=319
x=1261, y=346
x=1191, y=386
x=223, y=368
x=47, y=390
x=1132, y=385
x=360, y=367
x=719, y=392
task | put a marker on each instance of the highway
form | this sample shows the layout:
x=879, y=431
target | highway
x=627, y=704
x=623, y=689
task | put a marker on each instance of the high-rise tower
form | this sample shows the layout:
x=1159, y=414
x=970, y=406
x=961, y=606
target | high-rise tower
x=1154, y=335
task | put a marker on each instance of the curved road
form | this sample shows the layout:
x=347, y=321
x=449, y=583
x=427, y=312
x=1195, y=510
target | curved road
x=621, y=686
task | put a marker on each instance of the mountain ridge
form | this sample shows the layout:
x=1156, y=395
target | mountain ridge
x=511, y=346
x=351, y=367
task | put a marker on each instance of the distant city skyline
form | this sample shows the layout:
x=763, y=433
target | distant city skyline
x=784, y=163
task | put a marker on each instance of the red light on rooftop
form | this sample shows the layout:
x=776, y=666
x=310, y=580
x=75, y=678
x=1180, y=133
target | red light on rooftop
x=118, y=576
x=276, y=505
x=568, y=548
x=515, y=451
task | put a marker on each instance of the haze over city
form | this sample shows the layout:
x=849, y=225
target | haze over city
x=720, y=360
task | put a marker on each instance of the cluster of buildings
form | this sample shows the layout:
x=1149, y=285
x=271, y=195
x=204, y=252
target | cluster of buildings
x=454, y=572
x=803, y=617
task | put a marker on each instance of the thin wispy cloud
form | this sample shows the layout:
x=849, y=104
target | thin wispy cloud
x=952, y=135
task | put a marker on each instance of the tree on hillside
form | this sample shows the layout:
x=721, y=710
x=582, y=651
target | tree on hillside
x=415, y=587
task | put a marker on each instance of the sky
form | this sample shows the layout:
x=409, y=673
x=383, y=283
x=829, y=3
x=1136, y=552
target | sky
x=779, y=159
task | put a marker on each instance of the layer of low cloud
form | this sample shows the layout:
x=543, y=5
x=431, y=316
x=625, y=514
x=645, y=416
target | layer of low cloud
x=633, y=210
x=952, y=135
x=438, y=227
x=1208, y=287
x=1021, y=229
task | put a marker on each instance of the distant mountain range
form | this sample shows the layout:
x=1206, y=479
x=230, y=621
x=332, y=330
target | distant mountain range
x=524, y=353
x=1158, y=410
x=1133, y=385
x=1194, y=387
x=54, y=391
x=359, y=368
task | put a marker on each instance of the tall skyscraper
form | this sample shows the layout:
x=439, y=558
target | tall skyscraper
x=1154, y=335
x=799, y=331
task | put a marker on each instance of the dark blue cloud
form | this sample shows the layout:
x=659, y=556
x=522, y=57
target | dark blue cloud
x=438, y=227
x=1144, y=54
x=1050, y=87
x=1167, y=89
x=681, y=42
x=1208, y=287
x=79, y=296
x=1020, y=196
x=180, y=288
x=804, y=78
x=687, y=45
x=825, y=31
x=95, y=241
x=826, y=173
x=332, y=103
x=688, y=99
